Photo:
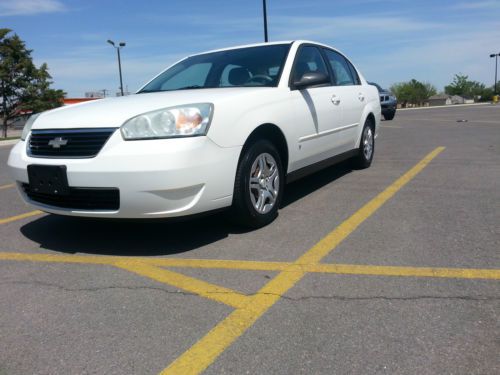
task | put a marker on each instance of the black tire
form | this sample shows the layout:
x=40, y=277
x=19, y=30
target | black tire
x=243, y=210
x=364, y=158
x=388, y=116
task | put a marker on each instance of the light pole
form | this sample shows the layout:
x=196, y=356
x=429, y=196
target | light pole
x=120, y=45
x=495, y=55
x=264, y=8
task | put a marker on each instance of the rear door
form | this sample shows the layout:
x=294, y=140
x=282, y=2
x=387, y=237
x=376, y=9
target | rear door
x=349, y=91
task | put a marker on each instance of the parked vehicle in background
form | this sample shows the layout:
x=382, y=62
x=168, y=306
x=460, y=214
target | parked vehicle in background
x=388, y=102
x=226, y=128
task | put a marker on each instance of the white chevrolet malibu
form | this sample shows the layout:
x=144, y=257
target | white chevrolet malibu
x=226, y=128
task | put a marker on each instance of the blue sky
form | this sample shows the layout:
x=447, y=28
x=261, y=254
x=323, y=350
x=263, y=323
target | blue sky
x=390, y=41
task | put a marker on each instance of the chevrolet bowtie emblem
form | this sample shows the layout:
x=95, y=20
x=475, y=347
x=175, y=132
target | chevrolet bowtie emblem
x=58, y=142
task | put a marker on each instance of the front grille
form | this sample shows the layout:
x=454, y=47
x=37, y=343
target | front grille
x=107, y=199
x=383, y=98
x=68, y=143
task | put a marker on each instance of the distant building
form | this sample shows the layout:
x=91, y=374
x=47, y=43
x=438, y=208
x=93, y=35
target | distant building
x=96, y=94
x=440, y=99
x=68, y=101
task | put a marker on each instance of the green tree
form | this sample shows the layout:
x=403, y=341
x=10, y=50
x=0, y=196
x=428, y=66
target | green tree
x=22, y=84
x=413, y=92
x=39, y=96
x=462, y=86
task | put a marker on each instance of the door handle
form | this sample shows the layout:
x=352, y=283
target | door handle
x=335, y=100
x=361, y=97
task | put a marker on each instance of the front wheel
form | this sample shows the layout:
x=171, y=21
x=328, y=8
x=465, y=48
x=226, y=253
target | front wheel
x=389, y=115
x=366, y=146
x=258, y=186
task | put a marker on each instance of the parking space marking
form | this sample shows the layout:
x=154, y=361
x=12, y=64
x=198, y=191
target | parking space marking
x=456, y=273
x=251, y=265
x=50, y=258
x=244, y=265
x=8, y=186
x=189, y=284
x=204, y=352
x=20, y=217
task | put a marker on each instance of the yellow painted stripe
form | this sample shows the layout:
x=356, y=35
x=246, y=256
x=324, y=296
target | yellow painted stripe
x=323, y=247
x=349, y=269
x=59, y=258
x=161, y=262
x=207, y=349
x=2, y=187
x=189, y=284
x=220, y=264
x=19, y=217
x=354, y=269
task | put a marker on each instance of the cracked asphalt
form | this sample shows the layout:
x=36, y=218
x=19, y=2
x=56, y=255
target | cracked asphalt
x=143, y=298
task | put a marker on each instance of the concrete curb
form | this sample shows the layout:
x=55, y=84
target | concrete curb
x=9, y=142
x=444, y=106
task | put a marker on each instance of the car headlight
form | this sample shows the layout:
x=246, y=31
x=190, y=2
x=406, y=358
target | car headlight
x=28, y=126
x=181, y=121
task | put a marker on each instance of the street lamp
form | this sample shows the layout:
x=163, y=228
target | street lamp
x=120, y=45
x=495, y=55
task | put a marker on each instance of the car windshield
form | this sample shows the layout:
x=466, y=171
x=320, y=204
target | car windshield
x=243, y=67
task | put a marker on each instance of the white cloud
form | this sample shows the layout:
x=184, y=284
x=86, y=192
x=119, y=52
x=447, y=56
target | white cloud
x=29, y=7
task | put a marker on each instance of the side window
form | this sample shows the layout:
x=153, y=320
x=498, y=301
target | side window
x=343, y=76
x=195, y=75
x=354, y=73
x=309, y=59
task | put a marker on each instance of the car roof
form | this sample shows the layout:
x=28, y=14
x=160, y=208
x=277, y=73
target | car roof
x=262, y=45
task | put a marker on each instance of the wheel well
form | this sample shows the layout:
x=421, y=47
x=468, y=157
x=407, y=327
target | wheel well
x=271, y=133
x=371, y=118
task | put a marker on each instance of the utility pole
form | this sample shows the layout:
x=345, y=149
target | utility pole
x=495, y=55
x=264, y=8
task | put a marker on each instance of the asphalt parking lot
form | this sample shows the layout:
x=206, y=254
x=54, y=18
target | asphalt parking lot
x=390, y=270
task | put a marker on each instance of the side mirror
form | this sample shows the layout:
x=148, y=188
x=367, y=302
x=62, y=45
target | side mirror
x=311, y=79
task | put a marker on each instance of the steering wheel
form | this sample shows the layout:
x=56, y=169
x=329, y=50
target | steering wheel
x=260, y=78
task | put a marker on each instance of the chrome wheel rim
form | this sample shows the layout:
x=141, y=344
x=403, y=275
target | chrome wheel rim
x=264, y=183
x=368, y=143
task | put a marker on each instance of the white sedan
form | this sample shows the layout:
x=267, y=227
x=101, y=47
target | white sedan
x=226, y=128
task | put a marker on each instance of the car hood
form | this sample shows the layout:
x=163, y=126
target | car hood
x=113, y=112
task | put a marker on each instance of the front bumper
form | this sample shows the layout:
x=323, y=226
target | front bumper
x=155, y=178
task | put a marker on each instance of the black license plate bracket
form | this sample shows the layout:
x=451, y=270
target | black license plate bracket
x=48, y=179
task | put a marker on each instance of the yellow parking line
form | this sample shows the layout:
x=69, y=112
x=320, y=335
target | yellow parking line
x=190, y=284
x=59, y=258
x=19, y=217
x=354, y=269
x=246, y=265
x=2, y=187
x=207, y=349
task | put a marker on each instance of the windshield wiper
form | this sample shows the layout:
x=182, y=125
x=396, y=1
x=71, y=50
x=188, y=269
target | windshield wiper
x=189, y=87
x=146, y=91
x=180, y=88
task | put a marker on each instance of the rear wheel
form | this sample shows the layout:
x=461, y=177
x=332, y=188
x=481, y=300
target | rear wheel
x=366, y=146
x=258, y=186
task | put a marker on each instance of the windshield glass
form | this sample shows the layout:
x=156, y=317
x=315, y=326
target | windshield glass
x=243, y=67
